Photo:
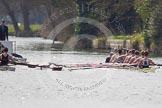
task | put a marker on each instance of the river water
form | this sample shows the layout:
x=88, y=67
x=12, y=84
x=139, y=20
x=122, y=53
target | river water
x=38, y=50
x=97, y=88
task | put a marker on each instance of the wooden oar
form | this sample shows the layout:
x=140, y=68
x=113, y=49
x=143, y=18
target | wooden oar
x=158, y=64
x=41, y=66
x=81, y=68
x=31, y=65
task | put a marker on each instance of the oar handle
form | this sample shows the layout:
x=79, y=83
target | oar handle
x=31, y=65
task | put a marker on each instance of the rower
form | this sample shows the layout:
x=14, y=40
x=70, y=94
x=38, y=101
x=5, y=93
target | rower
x=145, y=62
x=142, y=54
x=121, y=57
x=139, y=58
x=128, y=56
x=13, y=54
x=5, y=57
x=115, y=56
x=131, y=56
x=108, y=58
x=118, y=57
x=137, y=55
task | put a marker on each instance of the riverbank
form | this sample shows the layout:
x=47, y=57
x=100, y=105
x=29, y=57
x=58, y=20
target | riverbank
x=34, y=28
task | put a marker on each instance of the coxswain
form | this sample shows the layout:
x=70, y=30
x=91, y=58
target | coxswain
x=5, y=58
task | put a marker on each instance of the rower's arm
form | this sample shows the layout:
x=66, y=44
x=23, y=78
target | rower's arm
x=136, y=61
x=115, y=59
x=11, y=58
x=128, y=60
x=131, y=60
x=151, y=62
x=112, y=58
x=139, y=63
x=125, y=60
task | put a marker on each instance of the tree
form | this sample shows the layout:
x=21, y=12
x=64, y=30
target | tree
x=25, y=13
x=144, y=8
x=151, y=13
x=60, y=11
x=155, y=25
x=8, y=7
x=119, y=16
x=25, y=8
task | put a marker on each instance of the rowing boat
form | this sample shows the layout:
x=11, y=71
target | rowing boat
x=72, y=67
x=137, y=69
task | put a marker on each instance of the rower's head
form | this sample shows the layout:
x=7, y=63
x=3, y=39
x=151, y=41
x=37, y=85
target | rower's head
x=137, y=53
x=146, y=53
x=130, y=52
x=5, y=50
x=133, y=51
x=119, y=51
x=142, y=53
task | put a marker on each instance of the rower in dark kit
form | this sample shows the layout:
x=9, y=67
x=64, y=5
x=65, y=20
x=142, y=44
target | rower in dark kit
x=145, y=62
x=5, y=58
x=108, y=58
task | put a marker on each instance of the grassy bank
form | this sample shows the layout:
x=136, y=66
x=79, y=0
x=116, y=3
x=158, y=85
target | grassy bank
x=120, y=37
x=34, y=28
x=136, y=41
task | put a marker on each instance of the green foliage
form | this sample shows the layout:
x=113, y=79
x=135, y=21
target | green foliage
x=151, y=13
x=143, y=17
x=34, y=28
x=120, y=37
x=100, y=42
x=137, y=41
x=11, y=28
x=143, y=7
x=155, y=28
